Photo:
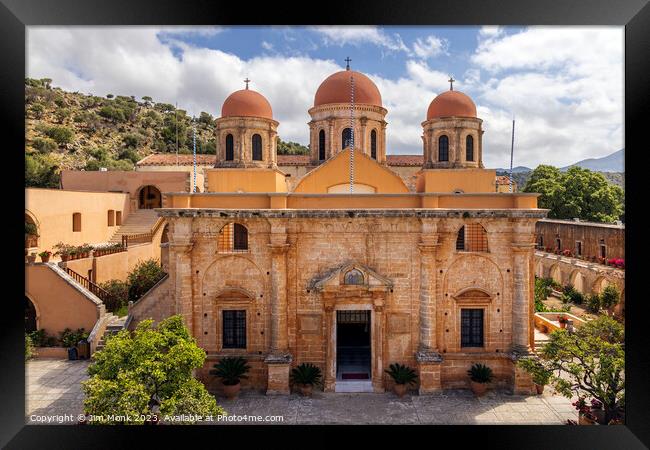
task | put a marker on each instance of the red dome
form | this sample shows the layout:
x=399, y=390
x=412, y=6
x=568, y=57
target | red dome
x=246, y=103
x=336, y=89
x=451, y=103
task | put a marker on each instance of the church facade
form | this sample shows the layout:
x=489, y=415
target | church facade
x=349, y=268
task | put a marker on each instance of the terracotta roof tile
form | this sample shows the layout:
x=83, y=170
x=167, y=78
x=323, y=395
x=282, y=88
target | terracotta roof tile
x=293, y=160
x=504, y=179
x=404, y=160
x=169, y=159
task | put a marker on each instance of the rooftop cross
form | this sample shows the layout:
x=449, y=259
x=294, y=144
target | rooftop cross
x=347, y=61
x=247, y=81
x=451, y=83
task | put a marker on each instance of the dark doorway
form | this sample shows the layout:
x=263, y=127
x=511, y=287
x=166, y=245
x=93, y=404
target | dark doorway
x=353, y=345
x=150, y=198
x=30, y=316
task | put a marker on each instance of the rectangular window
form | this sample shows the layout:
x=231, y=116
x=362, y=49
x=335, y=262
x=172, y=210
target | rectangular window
x=603, y=251
x=76, y=222
x=234, y=329
x=471, y=327
x=118, y=218
x=558, y=244
x=541, y=242
x=578, y=248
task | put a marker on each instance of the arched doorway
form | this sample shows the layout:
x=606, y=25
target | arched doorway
x=30, y=316
x=149, y=198
x=31, y=232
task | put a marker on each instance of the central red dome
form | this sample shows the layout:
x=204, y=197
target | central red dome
x=246, y=103
x=451, y=103
x=336, y=89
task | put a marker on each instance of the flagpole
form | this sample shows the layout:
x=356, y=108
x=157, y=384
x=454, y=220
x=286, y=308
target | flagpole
x=512, y=149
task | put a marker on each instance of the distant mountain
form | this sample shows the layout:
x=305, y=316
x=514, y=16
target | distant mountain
x=610, y=163
x=518, y=169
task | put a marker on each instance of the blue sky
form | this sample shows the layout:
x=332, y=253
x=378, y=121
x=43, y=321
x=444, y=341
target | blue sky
x=564, y=85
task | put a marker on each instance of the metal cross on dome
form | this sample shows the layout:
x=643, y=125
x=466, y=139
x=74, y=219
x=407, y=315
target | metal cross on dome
x=347, y=61
x=247, y=81
x=451, y=82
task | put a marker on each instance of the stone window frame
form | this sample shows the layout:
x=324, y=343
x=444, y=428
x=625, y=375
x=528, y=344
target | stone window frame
x=465, y=300
x=463, y=227
x=343, y=146
x=443, y=135
x=231, y=244
x=467, y=147
x=322, y=149
x=579, y=248
x=373, y=144
x=261, y=147
x=225, y=303
x=225, y=155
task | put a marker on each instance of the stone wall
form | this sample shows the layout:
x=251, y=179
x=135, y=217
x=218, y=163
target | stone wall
x=590, y=234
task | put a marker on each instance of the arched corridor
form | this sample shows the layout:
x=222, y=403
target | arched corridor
x=149, y=197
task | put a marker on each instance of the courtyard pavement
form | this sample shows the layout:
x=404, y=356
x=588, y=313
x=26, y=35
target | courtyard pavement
x=54, y=390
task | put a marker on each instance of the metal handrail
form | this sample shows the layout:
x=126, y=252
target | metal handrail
x=89, y=285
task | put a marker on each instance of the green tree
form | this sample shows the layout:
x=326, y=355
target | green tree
x=137, y=372
x=609, y=297
x=206, y=118
x=589, y=362
x=41, y=171
x=143, y=277
x=118, y=294
x=147, y=100
x=291, y=148
x=37, y=110
x=542, y=291
x=577, y=192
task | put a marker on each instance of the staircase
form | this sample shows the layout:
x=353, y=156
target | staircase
x=138, y=222
x=115, y=325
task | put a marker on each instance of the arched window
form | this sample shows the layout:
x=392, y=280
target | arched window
x=353, y=276
x=346, y=138
x=31, y=232
x=257, y=147
x=233, y=238
x=443, y=148
x=469, y=148
x=230, y=148
x=472, y=237
x=30, y=316
x=373, y=144
x=321, y=145
x=76, y=222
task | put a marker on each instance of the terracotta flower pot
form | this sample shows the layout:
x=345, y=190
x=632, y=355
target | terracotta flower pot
x=65, y=258
x=31, y=259
x=400, y=389
x=562, y=324
x=45, y=258
x=231, y=391
x=584, y=420
x=539, y=388
x=478, y=388
x=306, y=390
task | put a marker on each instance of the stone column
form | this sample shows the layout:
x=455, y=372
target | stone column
x=522, y=315
x=242, y=144
x=330, y=138
x=378, y=344
x=272, y=155
x=279, y=359
x=362, y=141
x=480, y=147
x=330, y=347
x=180, y=254
x=381, y=145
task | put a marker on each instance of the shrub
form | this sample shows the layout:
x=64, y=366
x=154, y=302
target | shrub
x=306, y=374
x=609, y=297
x=143, y=277
x=61, y=135
x=401, y=374
x=118, y=294
x=480, y=373
x=40, y=338
x=70, y=338
x=41, y=171
x=533, y=366
x=44, y=145
x=231, y=370
x=542, y=291
x=570, y=294
x=29, y=347
x=593, y=303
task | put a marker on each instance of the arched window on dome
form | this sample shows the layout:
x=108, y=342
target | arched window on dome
x=346, y=138
x=443, y=148
x=230, y=148
x=373, y=144
x=321, y=145
x=469, y=148
x=257, y=147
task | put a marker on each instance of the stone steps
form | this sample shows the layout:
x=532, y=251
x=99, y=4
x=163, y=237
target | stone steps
x=139, y=222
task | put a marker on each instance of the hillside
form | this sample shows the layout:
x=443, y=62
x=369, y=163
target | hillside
x=613, y=163
x=72, y=130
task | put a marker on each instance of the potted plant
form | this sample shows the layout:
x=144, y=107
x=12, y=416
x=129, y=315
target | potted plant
x=231, y=370
x=305, y=376
x=31, y=258
x=597, y=410
x=563, y=321
x=402, y=376
x=480, y=375
x=63, y=250
x=45, y=255
x=85, y=250
x=585, y=417
x=539, y=373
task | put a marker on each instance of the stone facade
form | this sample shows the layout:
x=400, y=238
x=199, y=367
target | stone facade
x=592, y=236
x=457, y=130
x=290, y=284
x=242, y=130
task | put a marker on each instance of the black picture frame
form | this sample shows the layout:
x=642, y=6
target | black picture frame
x=634, y=15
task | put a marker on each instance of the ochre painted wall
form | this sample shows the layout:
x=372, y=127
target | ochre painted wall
x=58, y=305
x=245, y=180
x=337, y=171
x=450, y=180
x=52, y=210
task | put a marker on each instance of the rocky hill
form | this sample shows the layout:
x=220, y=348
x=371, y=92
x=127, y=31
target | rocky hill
x=72, y=130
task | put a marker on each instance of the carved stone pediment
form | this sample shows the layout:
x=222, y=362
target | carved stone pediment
x=350, y=276
x=472, y=295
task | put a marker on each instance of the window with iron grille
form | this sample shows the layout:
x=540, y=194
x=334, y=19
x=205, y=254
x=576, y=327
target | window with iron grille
x=603, y=249
x=471, y=328
x=321, y=145
x=234, y=328
x=230, y=148
x=469, y=148
x=472, y=237
x=373, y=144
x=443, y=148
x=353, y=316
x=233, y=238
x=257, y=147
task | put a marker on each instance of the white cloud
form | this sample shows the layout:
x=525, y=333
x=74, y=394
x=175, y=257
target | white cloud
x=267, y=45
x=357, y=35
x=430, y=47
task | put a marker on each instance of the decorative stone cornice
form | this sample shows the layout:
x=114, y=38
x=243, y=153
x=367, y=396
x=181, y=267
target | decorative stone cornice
x=278, y=358
x=428, y=247
x=428, y=356
x=278, y=249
